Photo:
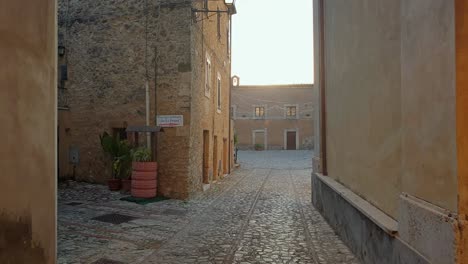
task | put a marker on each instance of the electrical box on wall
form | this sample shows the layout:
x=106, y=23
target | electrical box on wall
x=63, y=72
x=74, y=155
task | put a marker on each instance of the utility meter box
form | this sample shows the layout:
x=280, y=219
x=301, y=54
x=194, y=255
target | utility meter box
x=74, y=155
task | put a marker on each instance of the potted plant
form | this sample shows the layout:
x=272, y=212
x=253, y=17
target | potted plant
x=120, y=156
x=127, y=183
x=125, y=171
x=258, y=147
x=144, y=174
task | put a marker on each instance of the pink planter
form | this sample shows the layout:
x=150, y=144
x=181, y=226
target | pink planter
x=144, y=179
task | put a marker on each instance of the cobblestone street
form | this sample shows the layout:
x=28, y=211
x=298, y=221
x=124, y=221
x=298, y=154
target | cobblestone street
x=262, y=213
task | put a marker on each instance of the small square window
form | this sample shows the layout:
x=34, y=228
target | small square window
x=291, y=112
x=259, y=111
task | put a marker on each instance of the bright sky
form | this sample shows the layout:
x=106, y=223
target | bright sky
x=272, y=42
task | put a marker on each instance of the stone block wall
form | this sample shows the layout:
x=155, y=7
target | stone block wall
x=112, y=48
x=204, y=108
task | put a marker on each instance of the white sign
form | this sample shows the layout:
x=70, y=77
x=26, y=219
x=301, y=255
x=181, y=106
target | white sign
x=170, y=120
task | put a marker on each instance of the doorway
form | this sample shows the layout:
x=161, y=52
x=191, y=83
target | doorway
x=290, y=139
x=206, y=155
x=225, y=156
x=215, y=158
x=259, y=139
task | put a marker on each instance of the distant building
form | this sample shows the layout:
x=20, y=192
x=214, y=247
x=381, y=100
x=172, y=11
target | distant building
x=110, y=50
x=273, y=117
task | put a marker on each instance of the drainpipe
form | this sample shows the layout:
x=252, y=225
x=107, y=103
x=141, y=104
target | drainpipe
x=230, y=93
x=148, y=135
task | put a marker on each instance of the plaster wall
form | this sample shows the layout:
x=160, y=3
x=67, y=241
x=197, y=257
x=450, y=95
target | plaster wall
x=27, y=114
x=276, y=130
x=428, y=94
x=274, y=99
x=317, y=160
x=462, y=122
x=363, y=105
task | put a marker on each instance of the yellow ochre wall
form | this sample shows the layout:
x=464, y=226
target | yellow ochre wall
x=28, y=122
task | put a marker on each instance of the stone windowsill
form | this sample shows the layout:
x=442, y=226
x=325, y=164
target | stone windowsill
x=385, y=222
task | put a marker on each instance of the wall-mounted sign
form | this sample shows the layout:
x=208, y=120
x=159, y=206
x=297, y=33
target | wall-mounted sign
x=170, y=120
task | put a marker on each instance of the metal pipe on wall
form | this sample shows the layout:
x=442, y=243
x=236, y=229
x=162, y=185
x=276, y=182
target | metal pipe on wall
x=148, y=135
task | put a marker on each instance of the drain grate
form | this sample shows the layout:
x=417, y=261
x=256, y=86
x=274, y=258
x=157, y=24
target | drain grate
x=107, y=261
x=114, y=218
x=74, y=203
x=174, y=212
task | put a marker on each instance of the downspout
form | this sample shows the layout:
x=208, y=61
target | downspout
x=148, y=135
x=230, y=95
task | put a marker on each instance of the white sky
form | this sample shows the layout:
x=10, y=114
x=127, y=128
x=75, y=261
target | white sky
x=272, y=42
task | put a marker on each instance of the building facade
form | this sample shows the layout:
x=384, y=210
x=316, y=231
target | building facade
x=391, y=135
x=274, y=117
x=112, y=51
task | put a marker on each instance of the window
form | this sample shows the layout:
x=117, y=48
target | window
x=259, y=112
x=120, y=133
x=205, y=4
x=228, y=38
x=218, y=84
x=291, y=111
x=219, y=24
x=208, y=77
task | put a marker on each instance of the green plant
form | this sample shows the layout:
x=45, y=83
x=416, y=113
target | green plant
x=119, y=152
x=141, y=155
x=258, y=146
x=236, y=140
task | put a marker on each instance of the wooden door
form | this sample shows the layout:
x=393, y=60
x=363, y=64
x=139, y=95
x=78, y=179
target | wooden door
x=291, y=140
x=215, y=158
x=206, y=155
x=225, y=156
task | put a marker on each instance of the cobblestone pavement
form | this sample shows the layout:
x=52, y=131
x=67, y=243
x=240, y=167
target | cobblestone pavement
x=255, y=215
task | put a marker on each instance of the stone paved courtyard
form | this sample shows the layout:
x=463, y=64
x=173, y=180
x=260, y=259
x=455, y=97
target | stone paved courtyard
x=262, y=213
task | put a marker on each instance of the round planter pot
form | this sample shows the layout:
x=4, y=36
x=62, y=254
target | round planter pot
x=114, y=184
x=126, y=185
x=144, y=179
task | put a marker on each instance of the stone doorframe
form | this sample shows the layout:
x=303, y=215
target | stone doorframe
x=285, y=135
x=265, y=137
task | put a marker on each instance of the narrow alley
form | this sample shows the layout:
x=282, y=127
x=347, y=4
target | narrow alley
x=262, y=213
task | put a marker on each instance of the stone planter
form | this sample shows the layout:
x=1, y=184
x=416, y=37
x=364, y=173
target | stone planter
x=144, y=179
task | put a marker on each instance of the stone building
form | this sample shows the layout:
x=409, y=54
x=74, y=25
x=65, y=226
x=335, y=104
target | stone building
x=391, y=170
x=275, y=117
x=111, y=50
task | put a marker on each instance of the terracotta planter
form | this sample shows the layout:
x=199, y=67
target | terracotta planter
x=144, y=179
x=114, y=184
x=126, y=185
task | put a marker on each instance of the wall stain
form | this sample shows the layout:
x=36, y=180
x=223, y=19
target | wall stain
x=16, y=245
